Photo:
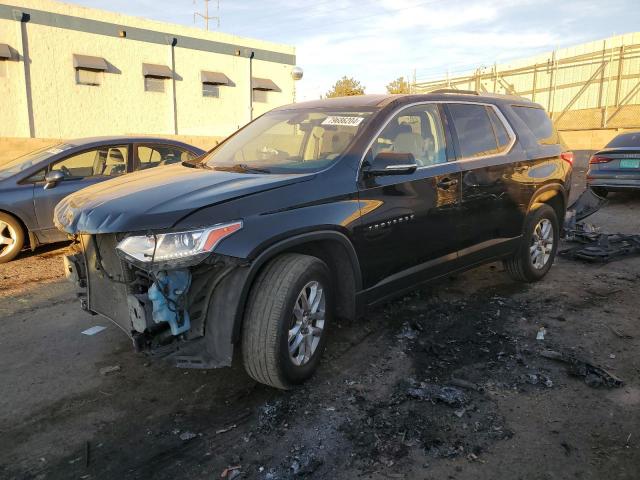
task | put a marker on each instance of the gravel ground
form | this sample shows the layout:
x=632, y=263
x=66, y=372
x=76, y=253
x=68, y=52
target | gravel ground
x=446, y=383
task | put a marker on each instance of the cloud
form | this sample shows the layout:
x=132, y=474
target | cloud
x=375, y=41
x=391, y=38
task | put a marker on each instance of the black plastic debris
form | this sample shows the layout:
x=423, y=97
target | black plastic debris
x=602, y=247
x=429, y=391
x=594, y=375
x=593, y=245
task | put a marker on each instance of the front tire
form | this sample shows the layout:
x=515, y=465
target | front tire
x=11, y=238
x=538, y=248
x=284, y=329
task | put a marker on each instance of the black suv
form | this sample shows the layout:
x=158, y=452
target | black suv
x=312, y=211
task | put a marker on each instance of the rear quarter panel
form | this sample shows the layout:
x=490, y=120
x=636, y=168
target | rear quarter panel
x=546, y=170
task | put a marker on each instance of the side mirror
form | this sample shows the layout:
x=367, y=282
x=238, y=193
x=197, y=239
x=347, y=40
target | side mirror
x=392, y=163
x=52, y=179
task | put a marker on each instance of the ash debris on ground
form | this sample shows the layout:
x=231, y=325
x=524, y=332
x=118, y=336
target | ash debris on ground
x=457, y=349
x=458, y=354
x=272, y=415
x=299, y=464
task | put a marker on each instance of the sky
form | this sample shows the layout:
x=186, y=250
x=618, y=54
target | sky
x=376, y=41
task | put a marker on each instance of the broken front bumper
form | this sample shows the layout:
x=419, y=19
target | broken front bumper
x=165, y=312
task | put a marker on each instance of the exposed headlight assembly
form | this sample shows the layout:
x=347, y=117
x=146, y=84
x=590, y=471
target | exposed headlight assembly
x=174, y=249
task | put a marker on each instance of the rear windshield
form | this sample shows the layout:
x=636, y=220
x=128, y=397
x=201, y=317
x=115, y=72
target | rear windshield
x=539, y=123
x=625, y=140
x=289, y=141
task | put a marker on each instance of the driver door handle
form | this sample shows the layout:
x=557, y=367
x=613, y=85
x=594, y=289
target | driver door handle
x=447, y=182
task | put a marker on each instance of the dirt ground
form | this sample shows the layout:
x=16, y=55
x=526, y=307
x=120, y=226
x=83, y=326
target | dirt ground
x=446, y=383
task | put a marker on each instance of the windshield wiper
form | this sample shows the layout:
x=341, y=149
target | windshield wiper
x=249, y=168
x=196, y=164
x=242, y=168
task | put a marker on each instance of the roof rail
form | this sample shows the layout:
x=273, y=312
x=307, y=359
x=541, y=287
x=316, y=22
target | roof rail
x=453, y=90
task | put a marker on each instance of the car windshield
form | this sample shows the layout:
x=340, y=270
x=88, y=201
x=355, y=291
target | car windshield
x=289, y=141
x=626, y=140
x=21, y=163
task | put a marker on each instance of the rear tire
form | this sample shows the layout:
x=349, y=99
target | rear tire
x=538, y=248
x=11, y=237
x=600, y=191
x=285, y=324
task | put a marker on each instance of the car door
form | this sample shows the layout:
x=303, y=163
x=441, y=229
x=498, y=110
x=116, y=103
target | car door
x=408, y=222
x=80, y=169
x=489, y=157
x=155, y=155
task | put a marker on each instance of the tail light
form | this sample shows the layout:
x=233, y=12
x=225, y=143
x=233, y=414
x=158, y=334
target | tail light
x=599, y=159
x=567, y=157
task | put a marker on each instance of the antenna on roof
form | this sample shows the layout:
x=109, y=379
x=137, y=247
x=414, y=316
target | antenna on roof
x=206, y=15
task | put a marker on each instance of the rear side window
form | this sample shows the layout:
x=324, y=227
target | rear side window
x=499, y=129
x=539, y=123
x=625, y=140
x=478, y=134
x=150, y=156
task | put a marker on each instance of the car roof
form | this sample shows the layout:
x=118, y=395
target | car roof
x=88, y=141
x=378, y=101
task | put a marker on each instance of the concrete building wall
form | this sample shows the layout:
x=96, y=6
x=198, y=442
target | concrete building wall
x=13, y=110
x=62, y=108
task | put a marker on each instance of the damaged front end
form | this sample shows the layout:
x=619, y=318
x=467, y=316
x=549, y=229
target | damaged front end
x=159, y=289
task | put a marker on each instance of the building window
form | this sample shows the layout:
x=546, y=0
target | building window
x=210, y=90
x=88, y=77
x=260, y=96
x=154, y=84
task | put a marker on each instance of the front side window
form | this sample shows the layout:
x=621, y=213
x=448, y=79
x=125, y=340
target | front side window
x=478, y=134
x=416, y=130
x=290, y=141
x=108, y=161
x=150, y=156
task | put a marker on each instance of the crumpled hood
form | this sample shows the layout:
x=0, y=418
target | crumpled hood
x=157, y=198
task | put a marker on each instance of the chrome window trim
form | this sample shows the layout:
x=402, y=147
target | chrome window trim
x=501, y=117
x=401, y=166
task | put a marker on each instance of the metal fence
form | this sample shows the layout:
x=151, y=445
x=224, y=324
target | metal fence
x=585, y=91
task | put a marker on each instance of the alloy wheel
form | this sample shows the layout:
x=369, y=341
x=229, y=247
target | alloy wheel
x=8, y=238
x=541, y=243
x=307, y=323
